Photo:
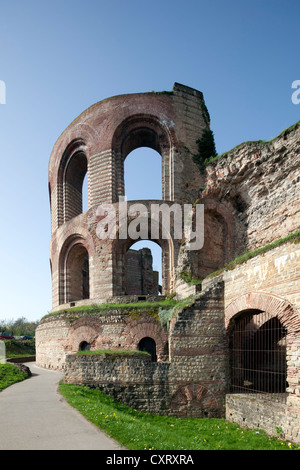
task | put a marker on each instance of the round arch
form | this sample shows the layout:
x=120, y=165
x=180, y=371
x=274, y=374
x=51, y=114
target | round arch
x=72, y=170
x=169, y=246
x=143, y=130
x=147, y=344
x=265, y=302
x=74, y=277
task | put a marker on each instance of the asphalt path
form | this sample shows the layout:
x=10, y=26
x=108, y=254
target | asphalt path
x=34, y=416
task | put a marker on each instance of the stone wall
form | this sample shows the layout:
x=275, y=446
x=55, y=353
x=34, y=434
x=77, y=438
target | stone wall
x=140, y=277
x=274, y=418
x=193, y=382
x=132, y=379
x=258, y=182
x=251, y=198
x=276, y=271
x=62, y=333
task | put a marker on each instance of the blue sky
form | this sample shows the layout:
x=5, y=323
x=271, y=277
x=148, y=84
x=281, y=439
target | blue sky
x=57, y=58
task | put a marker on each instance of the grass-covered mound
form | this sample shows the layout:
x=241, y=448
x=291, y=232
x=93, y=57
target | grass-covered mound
x=10, y=374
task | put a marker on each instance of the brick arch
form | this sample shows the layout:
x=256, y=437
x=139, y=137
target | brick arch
x=169, y=246
x=83, y=333
x=74, y=245
x=274, y=305
x=145, y=326
x=144, y=130
x=72, y=166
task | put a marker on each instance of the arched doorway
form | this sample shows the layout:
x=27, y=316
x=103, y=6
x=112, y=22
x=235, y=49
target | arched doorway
x=147, y=131
x=74, y=273
x=258, y=355
x=148, y=345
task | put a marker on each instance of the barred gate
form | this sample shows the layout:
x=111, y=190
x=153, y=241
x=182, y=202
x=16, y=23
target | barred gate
x=258, y=356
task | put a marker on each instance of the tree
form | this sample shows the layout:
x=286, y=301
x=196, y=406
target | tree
x=206, y=148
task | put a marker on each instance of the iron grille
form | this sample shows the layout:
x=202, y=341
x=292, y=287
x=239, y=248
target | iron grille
x=258, y=356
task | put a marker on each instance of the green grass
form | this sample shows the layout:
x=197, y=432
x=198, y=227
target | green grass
x=135, y=430
x=10, y=374
x=123, y=307
x=16, y=348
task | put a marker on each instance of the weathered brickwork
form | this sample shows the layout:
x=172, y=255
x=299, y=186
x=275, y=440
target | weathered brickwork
x=274, y=418
x=251, y=199
x=191, y=381
x=96, y=144
x=140, y=277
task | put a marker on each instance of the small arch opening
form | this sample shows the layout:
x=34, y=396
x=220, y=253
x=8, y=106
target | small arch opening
x=148, y=345
x=84, y=346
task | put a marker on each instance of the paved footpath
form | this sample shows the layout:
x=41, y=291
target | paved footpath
x=34, y=416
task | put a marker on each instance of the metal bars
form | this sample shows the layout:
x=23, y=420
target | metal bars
x=258, y=356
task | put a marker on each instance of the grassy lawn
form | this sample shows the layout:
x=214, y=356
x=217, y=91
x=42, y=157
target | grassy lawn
x=16, y=348
x=142, y=431
x=10, y=374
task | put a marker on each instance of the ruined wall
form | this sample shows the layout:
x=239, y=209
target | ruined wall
x=260, y=181
x=192, y=382
x=62, y=333
x=251, y=198
x=260, y=414
x=276, y=271
x=96, y=144
x=140, y=277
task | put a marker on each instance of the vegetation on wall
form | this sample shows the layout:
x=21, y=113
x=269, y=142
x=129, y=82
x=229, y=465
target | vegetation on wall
x=238, y=260
x=206, y=149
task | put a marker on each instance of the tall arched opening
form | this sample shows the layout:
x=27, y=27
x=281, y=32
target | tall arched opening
x=72, y=182
x=74, y=274
x=143, y=174
x=144, y=131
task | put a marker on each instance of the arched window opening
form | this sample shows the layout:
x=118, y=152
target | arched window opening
x=148, y=345
x=144, y=269
x=143, y=175
x=84, y=346
x=74, y=177
x=258, y=355
x=77, y=274
x=85, y=200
